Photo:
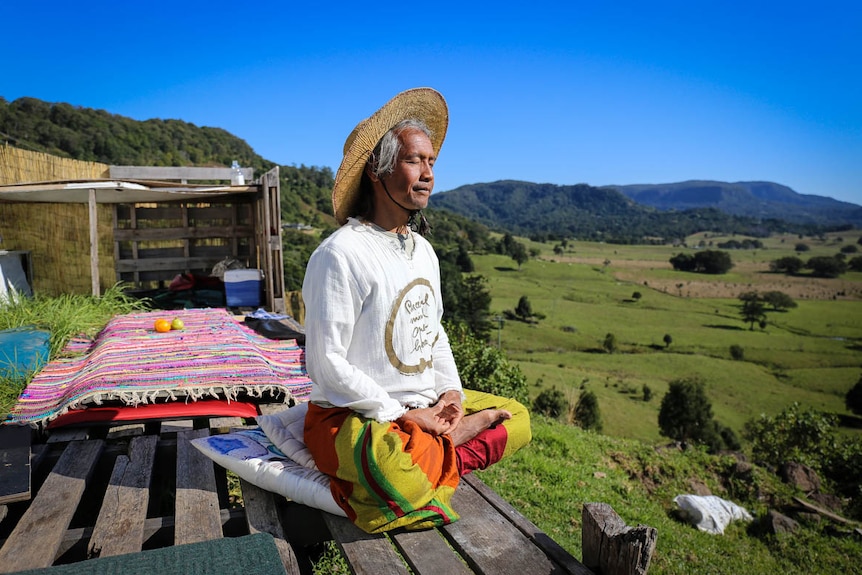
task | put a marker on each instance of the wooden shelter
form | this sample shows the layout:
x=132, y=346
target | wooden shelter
x=86, y=226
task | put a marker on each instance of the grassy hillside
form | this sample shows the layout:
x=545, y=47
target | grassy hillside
x=809, y=354
x=563, y=468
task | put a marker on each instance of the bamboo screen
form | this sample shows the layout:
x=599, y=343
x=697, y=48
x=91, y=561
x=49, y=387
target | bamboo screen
x=57, y=235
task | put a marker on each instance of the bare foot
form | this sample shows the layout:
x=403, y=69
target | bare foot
x=472, y=425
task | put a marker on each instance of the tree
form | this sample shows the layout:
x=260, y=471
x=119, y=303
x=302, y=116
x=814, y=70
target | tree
x=610, y=343
x=637, y=296
x=667, y=340
x=587, y=412
x=647, y=391
x=519, y=254
x=855, y=264
x=686, y=412
x=826, y=266
x=853, y=399
x=779, y=300
x=737, y=352
x=524, y=309
x=801, y=247
x=752, y=310
x=790, y=265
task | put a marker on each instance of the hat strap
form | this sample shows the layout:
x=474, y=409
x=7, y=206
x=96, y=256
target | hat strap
x=422, y=226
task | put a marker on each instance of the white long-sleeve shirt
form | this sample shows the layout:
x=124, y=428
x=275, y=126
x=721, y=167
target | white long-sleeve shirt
x=374, y=341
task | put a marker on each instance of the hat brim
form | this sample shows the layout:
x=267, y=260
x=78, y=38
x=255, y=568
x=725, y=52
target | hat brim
x=425, y=104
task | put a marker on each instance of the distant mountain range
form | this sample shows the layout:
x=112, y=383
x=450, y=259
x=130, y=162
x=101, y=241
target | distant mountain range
x=762, y=200
x=643, y=212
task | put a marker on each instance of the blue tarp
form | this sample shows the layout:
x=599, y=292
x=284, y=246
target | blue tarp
x=22, y=351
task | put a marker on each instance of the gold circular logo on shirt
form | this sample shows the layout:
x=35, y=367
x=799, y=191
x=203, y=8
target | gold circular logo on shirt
x=413, y=324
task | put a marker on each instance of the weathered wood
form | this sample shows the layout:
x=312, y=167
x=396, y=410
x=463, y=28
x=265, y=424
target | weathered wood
x=184, y=173
x=69, y=434
x=261, y=514
x=197, y=232
x=489, y=542
x=367, y=554
x=610, y=547
x=427, y=553
x=824, y=512
x=553, y=549
x=120, y=526
x=197, y=506
x=43, y=525
x=14, y=463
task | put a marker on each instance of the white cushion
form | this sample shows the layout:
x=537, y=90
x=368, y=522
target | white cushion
x=286, y=429
x=253, y=457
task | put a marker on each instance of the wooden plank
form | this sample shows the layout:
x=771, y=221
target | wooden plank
x=176, y=173
x=197, y=507
x=15, y=467
x=550, y=547
x=489, y=542
x=427, y=553
x=166, y=264
x=44, y=524
x=262, y=516
x=120, y=526
x=367, y=553
x=65, y=435
x=181, y=233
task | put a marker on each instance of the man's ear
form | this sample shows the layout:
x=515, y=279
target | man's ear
x=370, y=173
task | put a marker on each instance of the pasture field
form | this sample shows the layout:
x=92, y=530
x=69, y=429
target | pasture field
x=811, y=354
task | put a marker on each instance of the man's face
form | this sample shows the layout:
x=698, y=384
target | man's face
x=412, y=180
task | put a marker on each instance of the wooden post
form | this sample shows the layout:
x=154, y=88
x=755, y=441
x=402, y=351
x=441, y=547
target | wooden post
x=612, y=548
x=94, y=244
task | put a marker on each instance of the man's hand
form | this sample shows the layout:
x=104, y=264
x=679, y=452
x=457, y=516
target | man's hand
x=452, y=410
x=430, y=419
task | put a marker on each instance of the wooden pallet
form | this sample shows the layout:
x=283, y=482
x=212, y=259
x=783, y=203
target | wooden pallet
x=105, y=491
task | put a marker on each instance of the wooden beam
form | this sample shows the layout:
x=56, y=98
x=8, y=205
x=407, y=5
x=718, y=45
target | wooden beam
x=176, y=173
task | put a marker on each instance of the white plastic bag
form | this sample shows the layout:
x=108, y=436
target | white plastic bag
x=710, y=513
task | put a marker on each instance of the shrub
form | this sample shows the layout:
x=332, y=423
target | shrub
x=795, y=434
x=610, y=343
x=853, y=399
x=737, y=352
x=485, y=368
x=587, y=413
x=551, y=402
x=647, y=391
x=667, y=339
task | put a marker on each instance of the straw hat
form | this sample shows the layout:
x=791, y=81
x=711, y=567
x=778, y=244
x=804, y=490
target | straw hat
x=423, y=104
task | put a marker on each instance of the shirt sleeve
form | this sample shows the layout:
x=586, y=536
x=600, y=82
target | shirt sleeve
x=333, y=300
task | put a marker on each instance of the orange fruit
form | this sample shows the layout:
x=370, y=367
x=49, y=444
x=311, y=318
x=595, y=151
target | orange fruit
x=162, y=325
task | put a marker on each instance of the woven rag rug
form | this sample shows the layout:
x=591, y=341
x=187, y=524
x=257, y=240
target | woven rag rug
x=129, y=362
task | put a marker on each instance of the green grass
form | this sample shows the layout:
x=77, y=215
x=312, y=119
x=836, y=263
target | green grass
x=563, y=468
x=808, y=354
x=64, y=317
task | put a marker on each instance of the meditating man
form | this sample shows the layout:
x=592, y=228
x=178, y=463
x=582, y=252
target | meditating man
x=388, y=420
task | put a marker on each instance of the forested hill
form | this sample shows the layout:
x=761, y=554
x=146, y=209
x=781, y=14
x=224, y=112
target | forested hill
x=586, y=212
x=757, y=199
x=99, y=136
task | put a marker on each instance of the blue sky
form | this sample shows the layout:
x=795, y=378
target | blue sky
x=560, y=92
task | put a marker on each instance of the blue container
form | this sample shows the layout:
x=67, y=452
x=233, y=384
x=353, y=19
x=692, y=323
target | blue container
x=243, y=288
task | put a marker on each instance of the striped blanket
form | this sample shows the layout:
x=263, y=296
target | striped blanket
x=132, y=364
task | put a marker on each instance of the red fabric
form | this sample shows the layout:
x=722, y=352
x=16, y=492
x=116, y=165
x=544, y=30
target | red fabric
x=483, y=450
x=169, y=410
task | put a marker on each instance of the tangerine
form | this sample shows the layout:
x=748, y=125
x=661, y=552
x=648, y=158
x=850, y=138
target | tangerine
x=162, y=325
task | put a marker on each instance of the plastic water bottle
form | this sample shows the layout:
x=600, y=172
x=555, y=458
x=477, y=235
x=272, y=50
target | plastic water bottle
x=236, y=177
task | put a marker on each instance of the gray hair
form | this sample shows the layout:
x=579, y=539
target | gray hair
x=382, y=159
